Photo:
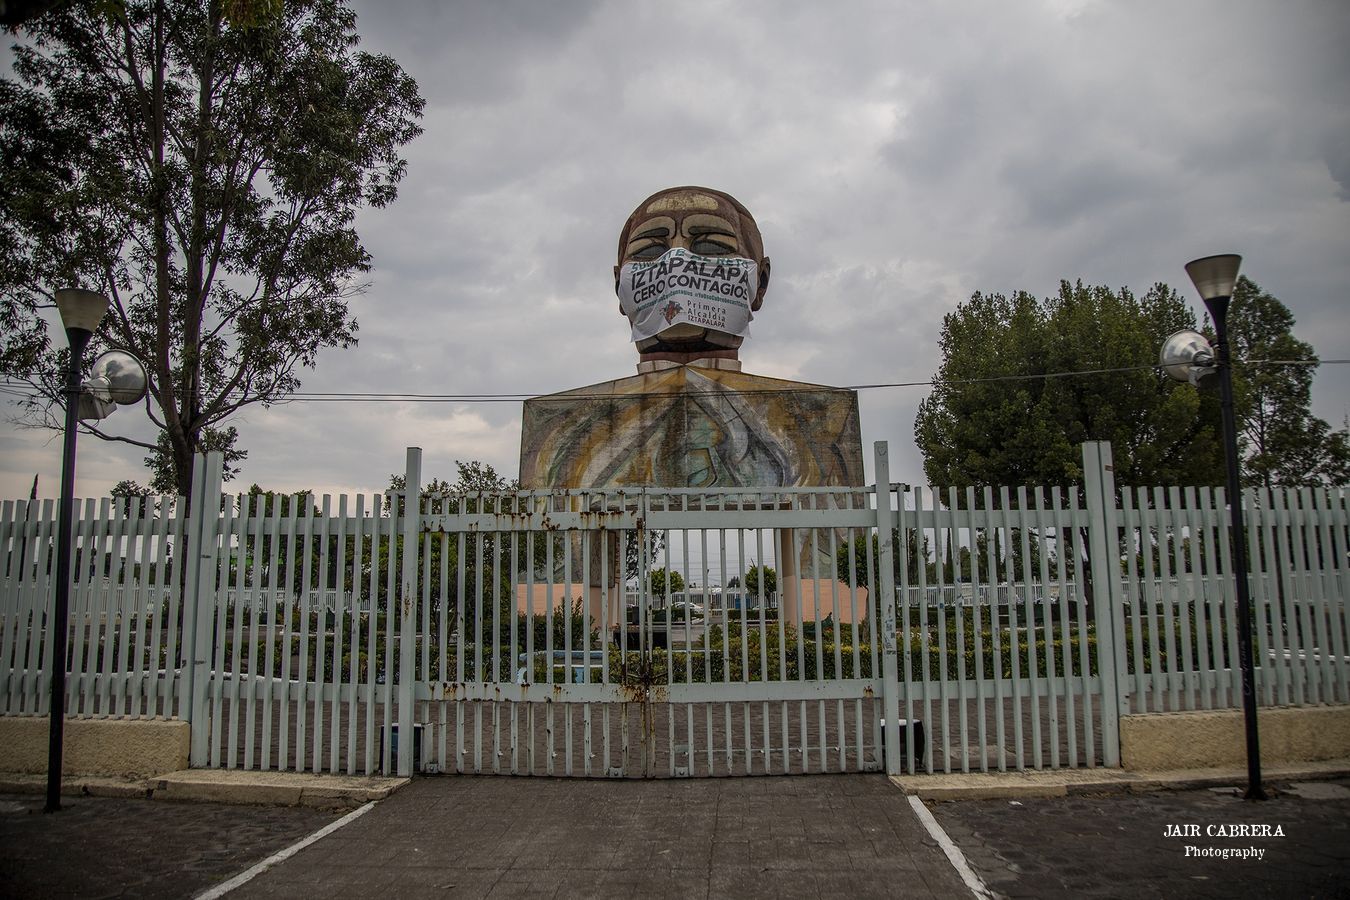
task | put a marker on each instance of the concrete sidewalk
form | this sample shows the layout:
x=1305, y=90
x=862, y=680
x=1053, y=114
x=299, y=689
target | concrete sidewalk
x=818, y=836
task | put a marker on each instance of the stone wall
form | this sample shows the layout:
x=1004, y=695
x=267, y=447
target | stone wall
x=122, y=747
x=1216, y=738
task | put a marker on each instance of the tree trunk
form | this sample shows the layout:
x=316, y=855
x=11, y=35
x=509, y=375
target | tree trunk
x=184, y=448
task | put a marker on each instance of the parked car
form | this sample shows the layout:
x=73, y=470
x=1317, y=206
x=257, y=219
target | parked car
x=694, y=610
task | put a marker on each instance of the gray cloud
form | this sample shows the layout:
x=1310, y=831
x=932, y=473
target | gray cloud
x=897, y=156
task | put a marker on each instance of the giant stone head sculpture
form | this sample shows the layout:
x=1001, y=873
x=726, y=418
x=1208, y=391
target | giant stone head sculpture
x=691, y=271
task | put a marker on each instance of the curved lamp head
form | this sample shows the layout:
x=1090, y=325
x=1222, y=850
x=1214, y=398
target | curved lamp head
x=121, y=376
x=117, y=378
x=1214, y=276
x=1188, y=356
x=80, y=308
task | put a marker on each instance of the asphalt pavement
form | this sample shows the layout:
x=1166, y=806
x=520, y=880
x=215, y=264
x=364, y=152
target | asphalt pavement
x=119, y=847
x=852, y=836
x=1165, y=844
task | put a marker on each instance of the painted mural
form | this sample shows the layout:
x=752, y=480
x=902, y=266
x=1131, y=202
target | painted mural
x=691, y=426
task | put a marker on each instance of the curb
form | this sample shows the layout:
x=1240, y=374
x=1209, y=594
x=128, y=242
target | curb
x=221, y=786
x=272, y=788
x=77, y=786
x=940, y=787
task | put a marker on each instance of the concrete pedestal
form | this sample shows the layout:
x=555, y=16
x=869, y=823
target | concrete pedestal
x=692, y=427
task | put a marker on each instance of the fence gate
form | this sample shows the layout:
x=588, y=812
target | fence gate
x=544, y=650
x=563, y=660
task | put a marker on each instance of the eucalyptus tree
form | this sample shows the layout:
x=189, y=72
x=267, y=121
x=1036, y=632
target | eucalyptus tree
x=1283, y=443
x=203, y=167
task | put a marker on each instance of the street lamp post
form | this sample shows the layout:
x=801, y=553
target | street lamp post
x=81, y=311
x=1214, y=277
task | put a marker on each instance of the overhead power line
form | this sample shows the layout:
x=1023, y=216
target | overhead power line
x=413, y=397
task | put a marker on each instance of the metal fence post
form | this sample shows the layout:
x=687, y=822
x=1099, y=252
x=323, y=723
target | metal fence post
x=407, y=672
x=1099, y=485
x=890, y=670
x=199, y=599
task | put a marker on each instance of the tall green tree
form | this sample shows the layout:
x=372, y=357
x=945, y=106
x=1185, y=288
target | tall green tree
x=1001, y=412
x=203, y=169
x=1282, y=442
x=661, y=582
x=752, y=578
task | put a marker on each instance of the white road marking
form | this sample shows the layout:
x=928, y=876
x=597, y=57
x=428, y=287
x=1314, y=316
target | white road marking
x=249, y=874
x=954, y=854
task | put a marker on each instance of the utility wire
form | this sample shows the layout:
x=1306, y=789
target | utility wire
x=409, y=397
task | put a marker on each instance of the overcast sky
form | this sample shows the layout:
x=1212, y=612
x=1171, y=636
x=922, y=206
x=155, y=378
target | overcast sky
x=897, y=155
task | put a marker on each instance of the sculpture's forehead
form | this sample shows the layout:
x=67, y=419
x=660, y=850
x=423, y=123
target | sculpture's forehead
x=689, y=206
x=685, y=201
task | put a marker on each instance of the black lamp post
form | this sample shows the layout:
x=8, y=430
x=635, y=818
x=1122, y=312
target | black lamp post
x=81, y=311
x=1214, y=277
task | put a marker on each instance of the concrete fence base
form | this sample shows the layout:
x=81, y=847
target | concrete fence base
x=123, y=747
x=1216, y=738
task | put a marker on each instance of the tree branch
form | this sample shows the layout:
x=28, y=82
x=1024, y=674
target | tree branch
x=114, y=438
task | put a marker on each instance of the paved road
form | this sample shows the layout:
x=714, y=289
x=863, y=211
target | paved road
x=819, y=836
x=1116, y=845
x=104, y=847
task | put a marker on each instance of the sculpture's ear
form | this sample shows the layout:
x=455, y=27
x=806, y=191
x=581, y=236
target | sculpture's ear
x=763, y=284
x=616, y=287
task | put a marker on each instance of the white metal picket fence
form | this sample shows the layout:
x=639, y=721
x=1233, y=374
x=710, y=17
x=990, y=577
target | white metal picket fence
x=987, y=628
x=126, y=610
x=1176, y=606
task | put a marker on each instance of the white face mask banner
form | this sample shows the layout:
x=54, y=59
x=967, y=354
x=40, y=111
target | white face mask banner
x=683, y=288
